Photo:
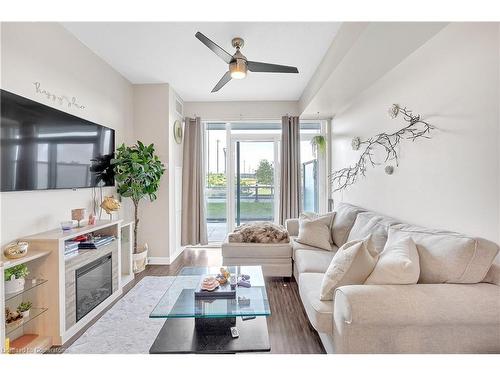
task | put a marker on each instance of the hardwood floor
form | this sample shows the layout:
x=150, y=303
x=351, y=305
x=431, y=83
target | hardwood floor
x=289, y=329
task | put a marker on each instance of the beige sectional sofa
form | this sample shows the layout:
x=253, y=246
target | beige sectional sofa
x=454, y=308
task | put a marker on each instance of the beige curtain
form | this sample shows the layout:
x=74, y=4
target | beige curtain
x=194, y=225
x=290, y=201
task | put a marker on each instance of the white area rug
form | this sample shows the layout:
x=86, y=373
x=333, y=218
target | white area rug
x=126, y=327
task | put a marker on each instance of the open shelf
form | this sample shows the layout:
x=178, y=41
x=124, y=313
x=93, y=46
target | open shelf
x=35, y=312
x=28, y=285
x=32, y=255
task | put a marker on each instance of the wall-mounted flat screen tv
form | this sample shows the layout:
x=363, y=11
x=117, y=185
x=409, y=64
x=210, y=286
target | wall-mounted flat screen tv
x=44, y=148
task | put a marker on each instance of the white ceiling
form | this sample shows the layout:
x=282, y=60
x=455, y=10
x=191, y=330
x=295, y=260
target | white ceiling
x=167, y=52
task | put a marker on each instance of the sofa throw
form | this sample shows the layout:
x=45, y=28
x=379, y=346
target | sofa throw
x=398, y=263
x=259, y=232
x=351, y=265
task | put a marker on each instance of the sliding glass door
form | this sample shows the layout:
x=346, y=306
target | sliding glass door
x=255, y=177
x=242, y=173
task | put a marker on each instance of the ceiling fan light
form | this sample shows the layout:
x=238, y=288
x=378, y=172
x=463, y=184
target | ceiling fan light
x=238, y=69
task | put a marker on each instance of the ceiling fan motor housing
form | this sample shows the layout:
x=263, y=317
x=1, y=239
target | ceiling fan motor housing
x=238, y=66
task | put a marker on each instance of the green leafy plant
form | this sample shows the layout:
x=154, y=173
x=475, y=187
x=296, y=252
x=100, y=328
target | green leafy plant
x=318, y=144
x=19, y=272
x=24, y=306
x=265, y=172
x=137, y=172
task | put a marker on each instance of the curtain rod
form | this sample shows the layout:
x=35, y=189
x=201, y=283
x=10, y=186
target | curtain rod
x=235, y=119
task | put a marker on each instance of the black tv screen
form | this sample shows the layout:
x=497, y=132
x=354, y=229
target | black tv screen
x=44, y=148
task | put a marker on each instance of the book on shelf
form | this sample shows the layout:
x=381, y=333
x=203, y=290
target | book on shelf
x=95, y=242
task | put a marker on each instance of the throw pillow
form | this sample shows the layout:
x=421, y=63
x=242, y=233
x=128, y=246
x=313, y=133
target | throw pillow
x=351, y=265
x=398, y=263
x=316, y=231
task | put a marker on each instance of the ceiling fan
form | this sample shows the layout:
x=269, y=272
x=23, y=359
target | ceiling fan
x=238, y=64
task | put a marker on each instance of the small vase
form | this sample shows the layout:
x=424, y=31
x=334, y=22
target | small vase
x=26, y=313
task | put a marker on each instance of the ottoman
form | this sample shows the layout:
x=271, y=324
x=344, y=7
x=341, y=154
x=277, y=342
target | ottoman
x=275, y=259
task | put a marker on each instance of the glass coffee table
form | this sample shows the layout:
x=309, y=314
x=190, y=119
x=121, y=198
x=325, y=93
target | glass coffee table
x=204, y=325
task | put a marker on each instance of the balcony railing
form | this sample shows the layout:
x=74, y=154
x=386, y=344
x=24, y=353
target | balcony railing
x=256, y=202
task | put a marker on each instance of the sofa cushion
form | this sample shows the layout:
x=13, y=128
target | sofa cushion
x=420, y=304
x=493, y=275
x=256, y=250
x=371, y=223
x=313, y=260
x=320, y=313
x=448, y=257
x=352, y=264
x=316, y=231
x=345, y=215
x=398, y=263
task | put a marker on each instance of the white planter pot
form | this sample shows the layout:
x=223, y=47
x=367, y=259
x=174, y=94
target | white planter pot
x=14, y=285
x=26, y=313
x=140, y=261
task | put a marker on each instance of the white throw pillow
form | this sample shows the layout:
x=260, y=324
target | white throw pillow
x=316, y=231
x=398, y=263
x=351, y=265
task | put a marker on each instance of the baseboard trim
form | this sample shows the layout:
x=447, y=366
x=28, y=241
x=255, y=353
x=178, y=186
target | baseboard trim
x=174, y=257
x=159, y=260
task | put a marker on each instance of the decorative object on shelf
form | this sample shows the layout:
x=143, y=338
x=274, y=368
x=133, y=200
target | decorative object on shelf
x=15, y=278
x=178, y=132
x=58, y=98
x=138, y=171
x=78, y=214
x=209, y=284
x=223, y=276
x=389, y=169
x=417, y=128
x=233, y=281
x=67, y=225
x=16, y=250
x=92, y=219
x=13, y=318
x=211, y=287
x=318, y=143
x=110, y=204
x=24, y=308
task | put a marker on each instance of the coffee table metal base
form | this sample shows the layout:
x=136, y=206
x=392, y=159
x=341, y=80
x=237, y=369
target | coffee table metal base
x=184, y=335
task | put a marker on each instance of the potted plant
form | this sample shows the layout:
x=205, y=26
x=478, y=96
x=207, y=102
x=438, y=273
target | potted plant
x=24, y=308
x=318, y=144
x=14, y=278
x=138, y=172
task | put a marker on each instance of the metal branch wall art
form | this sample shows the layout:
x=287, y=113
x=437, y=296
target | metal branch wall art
x=416, y=128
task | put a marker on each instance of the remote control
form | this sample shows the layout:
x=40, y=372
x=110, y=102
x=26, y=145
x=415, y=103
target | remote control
x=234, y=332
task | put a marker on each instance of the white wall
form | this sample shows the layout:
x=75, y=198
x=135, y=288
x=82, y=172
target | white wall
x=174, y=178
x=151, y=124
x=452, y=180
x=241, y=110
x=47, y=53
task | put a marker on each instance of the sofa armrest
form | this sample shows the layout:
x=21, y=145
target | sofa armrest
x=292, y=226
x=419, y=304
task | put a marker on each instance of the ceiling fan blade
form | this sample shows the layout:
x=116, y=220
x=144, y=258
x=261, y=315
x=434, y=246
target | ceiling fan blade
x=214, y=47
x=225, y=79
x=255, y=66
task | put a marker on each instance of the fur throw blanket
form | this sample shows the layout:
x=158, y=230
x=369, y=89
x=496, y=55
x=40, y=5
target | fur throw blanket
x=259, y=232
